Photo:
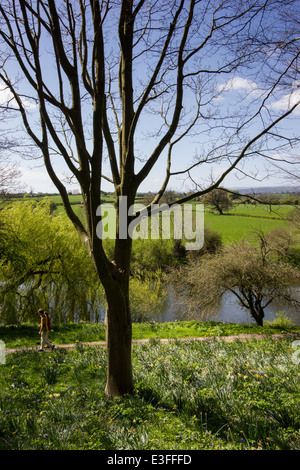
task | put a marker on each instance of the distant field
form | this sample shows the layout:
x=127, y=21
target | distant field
x=74, y=198
x=261, y=210
x=234, y=228
x=240, y=221
x=243, y=220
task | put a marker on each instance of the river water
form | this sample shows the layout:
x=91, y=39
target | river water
x=230, y=311
x=174, y=308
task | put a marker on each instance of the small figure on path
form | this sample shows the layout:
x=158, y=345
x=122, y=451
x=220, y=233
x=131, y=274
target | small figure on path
x=48, y=327
x=44, y=331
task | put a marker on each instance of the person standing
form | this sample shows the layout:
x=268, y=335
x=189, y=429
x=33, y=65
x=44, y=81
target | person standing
x=48, y=327
x=44, y=331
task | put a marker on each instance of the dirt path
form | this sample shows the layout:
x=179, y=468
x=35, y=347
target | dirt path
x=227, y=339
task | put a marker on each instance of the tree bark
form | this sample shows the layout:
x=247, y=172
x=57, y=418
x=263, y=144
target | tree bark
x=118, y=324
x=118, y=339
x=258, y=315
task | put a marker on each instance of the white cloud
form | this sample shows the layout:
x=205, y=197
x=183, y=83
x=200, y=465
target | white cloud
x=7, y=98
x=249, y=87
x=238, y=83
x=241, y=85
x=287, y=101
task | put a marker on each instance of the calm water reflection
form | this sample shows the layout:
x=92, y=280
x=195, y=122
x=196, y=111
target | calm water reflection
x=230, y=311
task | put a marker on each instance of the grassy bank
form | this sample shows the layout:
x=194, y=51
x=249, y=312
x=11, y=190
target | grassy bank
x=27, y=335
x=189, y=395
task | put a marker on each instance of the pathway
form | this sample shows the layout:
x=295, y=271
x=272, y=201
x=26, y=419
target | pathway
x=227, y=339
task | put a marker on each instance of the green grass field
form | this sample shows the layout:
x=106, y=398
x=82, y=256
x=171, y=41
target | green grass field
x=235, y=227
x=232, y=227
x=261, y=210
x=239, y=222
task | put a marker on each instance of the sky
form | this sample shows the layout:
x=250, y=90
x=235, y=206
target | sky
x=229, y=90
x=36, y=179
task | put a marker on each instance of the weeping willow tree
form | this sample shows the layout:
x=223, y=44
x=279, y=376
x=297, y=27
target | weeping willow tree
x=44, y=265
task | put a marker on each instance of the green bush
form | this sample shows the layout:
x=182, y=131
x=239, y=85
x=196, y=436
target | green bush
x=281, y=321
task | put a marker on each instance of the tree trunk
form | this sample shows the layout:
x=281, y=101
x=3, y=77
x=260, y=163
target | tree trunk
x=253, y=302
x=219, y=209
x=118, y=324
x=258, y=315
x=118, y=339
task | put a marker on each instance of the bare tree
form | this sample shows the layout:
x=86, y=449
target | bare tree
x=10, y=172
x=99, y=69
x=8, y=179
x=284, y=47
x=255, y=274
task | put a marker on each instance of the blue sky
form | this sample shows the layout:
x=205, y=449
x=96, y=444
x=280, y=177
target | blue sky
x=233, y=93
x=35, y=176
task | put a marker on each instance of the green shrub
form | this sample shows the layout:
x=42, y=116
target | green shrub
x=281, y=321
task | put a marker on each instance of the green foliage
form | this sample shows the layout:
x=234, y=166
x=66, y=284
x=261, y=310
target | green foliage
x=43, y=264
x=212, y=244
x=281, y=321
x=147, y=294
x=152, y=254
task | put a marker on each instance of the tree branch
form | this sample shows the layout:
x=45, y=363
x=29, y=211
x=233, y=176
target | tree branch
x=239, y=158
x=179, y=97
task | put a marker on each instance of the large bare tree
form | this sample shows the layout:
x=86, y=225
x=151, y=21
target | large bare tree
x=10, y=172
x=127, y=82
